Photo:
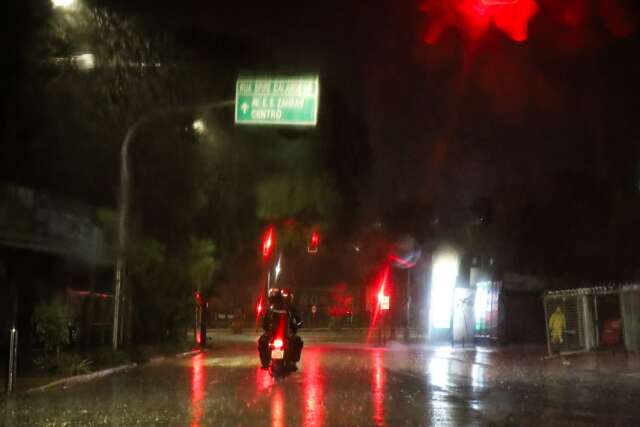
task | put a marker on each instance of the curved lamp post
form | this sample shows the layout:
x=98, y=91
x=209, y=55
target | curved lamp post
x=123, y=201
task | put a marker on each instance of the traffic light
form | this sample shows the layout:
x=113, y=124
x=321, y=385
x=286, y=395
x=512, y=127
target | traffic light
x=314, y=243
x=383, y=298
x=268, y=242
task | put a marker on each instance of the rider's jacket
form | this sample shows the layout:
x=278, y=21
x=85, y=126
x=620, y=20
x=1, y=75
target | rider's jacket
x=279, y=305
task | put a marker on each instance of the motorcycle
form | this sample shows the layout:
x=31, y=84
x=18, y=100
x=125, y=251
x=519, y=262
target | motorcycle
x=279, y=345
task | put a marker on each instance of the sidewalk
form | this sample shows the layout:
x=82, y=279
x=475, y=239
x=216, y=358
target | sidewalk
x=528, y=364
x=33, y=382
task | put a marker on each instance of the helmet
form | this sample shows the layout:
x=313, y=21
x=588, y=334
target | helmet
x=287, y=295
x=273, y=293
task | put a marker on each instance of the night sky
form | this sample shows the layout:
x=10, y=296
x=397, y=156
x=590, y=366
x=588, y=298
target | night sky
x=527, y=106
x=462, y=116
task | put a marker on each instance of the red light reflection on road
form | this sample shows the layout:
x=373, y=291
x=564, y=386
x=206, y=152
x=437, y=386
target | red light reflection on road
x=277, y=408
x=313, y=389
x=377, y=387
x=197, y=390
x=263, y=380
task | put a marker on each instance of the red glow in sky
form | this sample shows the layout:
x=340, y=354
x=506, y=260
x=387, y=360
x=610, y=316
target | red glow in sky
x=512, y=17
x=475, y=17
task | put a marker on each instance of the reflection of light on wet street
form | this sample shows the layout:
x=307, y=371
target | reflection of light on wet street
x=439, y=367
x=313, y=389
x=477, y=376
x=378, y=387
x=345, y=385
x=439, y=370
x=263, y=380
x=197, y=390
x=277, y=408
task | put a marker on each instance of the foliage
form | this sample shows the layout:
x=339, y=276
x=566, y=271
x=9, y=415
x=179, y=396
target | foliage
x=163, y=286
x=64, y=363
x=287, y=196
x=73, y=364
x=145, y=258
x=51, y=322
x=201, y=263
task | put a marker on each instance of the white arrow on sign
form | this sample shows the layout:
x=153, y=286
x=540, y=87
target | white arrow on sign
x=244, y=107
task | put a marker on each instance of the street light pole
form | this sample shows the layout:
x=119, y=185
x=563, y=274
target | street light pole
x=123, y=205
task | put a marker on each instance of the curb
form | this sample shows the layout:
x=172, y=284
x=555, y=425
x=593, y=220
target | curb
x=76, y=379
x=160, y=359
x=83, y=378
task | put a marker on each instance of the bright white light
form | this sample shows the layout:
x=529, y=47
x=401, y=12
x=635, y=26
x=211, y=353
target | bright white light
x=63, y=3
x=85, y=62
x=278, y=269
x=443, y=283
x=199, y=126
x=481, y=304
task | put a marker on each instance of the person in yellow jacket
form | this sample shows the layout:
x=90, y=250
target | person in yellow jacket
x=557, y=326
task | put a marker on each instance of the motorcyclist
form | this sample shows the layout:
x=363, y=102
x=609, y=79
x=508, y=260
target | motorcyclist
x=280, y=300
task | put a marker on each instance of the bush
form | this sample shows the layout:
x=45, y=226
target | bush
x=108, y=357
x=74, y=364
x=64, y=363
x=51, y=322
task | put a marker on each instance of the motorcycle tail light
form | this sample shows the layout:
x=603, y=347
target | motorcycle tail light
x=277, y=343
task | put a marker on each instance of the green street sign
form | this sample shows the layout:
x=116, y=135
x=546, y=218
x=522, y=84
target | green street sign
x=277, y=101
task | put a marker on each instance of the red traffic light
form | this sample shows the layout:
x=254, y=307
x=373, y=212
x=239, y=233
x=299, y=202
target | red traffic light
x=314, y=243
x=383, y=298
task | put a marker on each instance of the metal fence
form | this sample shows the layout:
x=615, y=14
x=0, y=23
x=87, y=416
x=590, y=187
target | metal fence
x=577, y=318
x=630, y=306
x=487, y=311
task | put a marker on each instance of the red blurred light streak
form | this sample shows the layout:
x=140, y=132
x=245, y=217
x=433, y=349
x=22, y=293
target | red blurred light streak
x=197, y=390
x=263, y=381
x=401, y=262
x=313, y=389
x=259, y=309
x=277, y=408
x=378, y=387
x=376, y=312
x=268, y=242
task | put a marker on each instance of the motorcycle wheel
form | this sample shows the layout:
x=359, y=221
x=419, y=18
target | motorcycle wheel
x=278, y=368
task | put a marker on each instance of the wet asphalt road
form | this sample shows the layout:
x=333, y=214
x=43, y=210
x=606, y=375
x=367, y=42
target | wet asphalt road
x=337, y=385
